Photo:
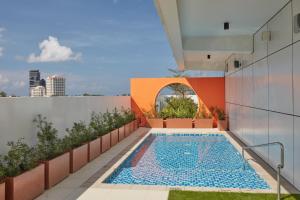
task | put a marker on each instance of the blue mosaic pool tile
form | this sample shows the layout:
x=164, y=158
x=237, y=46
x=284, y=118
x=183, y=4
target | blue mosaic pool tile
x=200, y=160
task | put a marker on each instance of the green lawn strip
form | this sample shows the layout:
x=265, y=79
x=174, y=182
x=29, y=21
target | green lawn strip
x=189, y=195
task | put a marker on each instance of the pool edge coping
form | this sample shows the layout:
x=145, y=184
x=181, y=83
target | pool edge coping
x=264, y=174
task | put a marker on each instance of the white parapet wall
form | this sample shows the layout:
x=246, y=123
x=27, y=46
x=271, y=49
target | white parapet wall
x=17, y=114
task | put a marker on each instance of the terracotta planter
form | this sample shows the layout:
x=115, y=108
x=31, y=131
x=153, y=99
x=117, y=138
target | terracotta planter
x=203, y=123
x=121, y=133
x=114, y=137
x=79, y=158
x=2, y=190
x=94, y=148
x=57, y=169
x=179, y=123
x=105, y=142
x=222, y=125
x=136, y=124
x=127, y=129
x=155, y=123
x=26, y=186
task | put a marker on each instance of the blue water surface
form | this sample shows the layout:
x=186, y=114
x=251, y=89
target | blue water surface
x=202, y=160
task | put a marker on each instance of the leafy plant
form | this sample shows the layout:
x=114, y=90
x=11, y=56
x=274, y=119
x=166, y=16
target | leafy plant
x=97, y=124
x=118, y=119
x=19, y=158
x=178, y=107
x=218, y=112
x=49, y=145
x=203, y=113
x=2, y=170
x=78, y=135
x=128, y=115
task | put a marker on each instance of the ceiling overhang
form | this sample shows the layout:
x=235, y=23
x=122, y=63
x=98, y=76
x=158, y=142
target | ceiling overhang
x=195, y=29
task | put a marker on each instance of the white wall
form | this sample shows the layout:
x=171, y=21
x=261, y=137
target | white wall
x=17, y=114
x=263, y=97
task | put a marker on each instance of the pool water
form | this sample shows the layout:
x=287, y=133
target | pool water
x=201, y=160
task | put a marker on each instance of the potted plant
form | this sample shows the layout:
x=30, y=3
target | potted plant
x=77, y=140
x=2, y=180
x=179, y=112
x=222, y=122
x=116, y=124
x=153, y=120
x=52, y=152
x=204, y=119
x=129, y=117
x=26, y=176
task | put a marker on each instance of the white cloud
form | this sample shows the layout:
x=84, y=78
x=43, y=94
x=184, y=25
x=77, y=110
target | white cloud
x=14, y=81
x=53, y=51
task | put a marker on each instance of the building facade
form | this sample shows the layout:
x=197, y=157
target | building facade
x=38, y=91
x=34, y=79
x=55, y=86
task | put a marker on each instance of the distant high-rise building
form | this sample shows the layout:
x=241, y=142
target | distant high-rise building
x=34, y=79
x=43, y=83
x=38, y=91
x=55, y=86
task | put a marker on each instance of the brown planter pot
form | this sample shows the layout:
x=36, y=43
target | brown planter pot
x=79, y=158
x=26, y=186
x=105, y=142
x=203, y=123
x=2, y=190
x=179, y=123
x=136, y=124
x=121, y=133
x=222, y=125
x=94, y=149
x=114, y=137
x=155, y=123
x=127, y=129
x=57, y=169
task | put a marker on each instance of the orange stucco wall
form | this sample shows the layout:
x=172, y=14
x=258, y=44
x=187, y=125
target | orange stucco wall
x=210, y=91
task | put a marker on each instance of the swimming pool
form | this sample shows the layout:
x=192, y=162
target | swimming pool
x=199, y=160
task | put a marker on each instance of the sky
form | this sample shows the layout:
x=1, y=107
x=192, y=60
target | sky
x=98, y=45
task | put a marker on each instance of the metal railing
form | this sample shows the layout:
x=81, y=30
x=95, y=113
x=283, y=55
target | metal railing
x=279, y=166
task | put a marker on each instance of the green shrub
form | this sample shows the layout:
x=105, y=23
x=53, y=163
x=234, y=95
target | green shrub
x=2, y=170
x=128, y=115
x=97, y=124
x=19, y=158
x=78, y=135
x=49, y=145
x=203, y=113
x=118, y=120
x=218, y=113
x=178, y=107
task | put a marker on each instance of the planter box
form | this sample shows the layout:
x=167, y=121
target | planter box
x=94, y=148
x=179, y=123
x=105, y=142
x=57, y=169
x=114, y=137
x=79, y=158
x=26, y=186
x=121, y=133
x=2, y=190
x=155, y=123
x=127, y=129
x=203, y=123
x=136, y=124
x=222, y=125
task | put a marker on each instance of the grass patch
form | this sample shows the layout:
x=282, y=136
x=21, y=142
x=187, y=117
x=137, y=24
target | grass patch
x=189, y=195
